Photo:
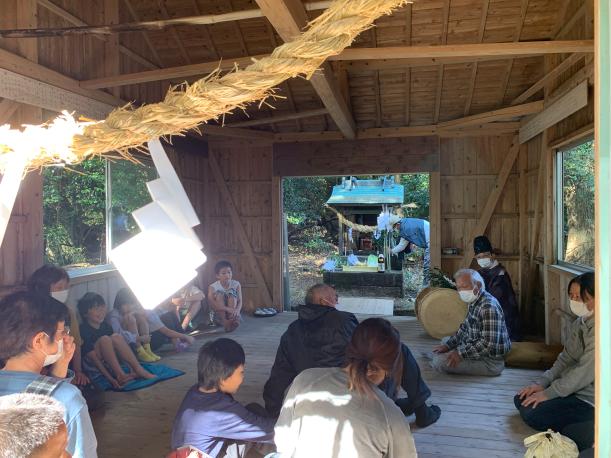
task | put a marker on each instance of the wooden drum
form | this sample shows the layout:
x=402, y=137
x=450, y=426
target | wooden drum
x=440, y=311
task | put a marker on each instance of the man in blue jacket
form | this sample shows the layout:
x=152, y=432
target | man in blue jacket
x=413, y=231
x=318, y=338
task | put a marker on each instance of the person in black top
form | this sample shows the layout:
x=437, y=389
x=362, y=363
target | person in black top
x=104, y=348
x=318, y=338
x=498, y=283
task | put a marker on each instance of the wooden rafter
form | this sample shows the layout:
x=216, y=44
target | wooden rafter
x=444, y=40
x=112, y=58
x=289, y=17
x=376, y=83
x=72, y=19
x=558, y=70
x=275, y=119
x=480, y=38
x=562, y=26
x=174, y=32
x=206, y=31
x=496, y=115
x=408, y=71
x=516, y=37
x=145, y=37
x=421, y=55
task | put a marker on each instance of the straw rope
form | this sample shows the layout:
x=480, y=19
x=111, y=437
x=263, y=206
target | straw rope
x=185, y=107
x=357, y=227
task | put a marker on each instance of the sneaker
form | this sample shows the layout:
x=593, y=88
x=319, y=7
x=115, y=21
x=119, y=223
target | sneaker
x=147, y=348
x=143, y=356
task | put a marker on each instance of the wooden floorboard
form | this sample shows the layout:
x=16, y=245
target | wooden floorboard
x=478, y=418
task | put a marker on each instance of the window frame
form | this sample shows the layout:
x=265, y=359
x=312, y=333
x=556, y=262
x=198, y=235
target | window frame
x=559, y=206
x=106, y=266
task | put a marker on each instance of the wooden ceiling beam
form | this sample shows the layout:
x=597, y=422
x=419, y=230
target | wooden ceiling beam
x=67, y=16
x=174, y=32
x=145, y=37
x=558, y=70
x=495, y=115
x=485, y=129
x=500, y=50
x=394, y=57
x=289, y=18
x=275, y=119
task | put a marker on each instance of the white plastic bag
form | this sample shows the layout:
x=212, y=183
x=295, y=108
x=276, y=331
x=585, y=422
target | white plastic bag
x=550, y=444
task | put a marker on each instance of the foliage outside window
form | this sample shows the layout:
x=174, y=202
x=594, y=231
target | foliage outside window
x=79, y=202
x=575, y=211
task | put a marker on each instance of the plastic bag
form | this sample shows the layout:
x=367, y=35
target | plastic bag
x=550, y=445
x=329, y=265
x=352, y=260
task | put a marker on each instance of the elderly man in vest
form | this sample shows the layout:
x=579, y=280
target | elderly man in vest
x=481, y=342
x=413, y=231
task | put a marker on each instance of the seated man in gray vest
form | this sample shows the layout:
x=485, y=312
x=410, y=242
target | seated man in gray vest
x=481, y=342
x=413, y=231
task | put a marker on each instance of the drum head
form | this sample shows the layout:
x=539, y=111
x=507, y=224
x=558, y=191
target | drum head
x=441, y=311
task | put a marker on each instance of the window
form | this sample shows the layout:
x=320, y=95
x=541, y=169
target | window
x=575, y=204
x=88, y=206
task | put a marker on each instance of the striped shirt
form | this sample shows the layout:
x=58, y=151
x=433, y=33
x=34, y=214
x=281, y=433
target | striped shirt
x=483, y=334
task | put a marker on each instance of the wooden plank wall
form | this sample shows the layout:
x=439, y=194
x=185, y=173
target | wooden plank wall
x=468, y=169
x=246, y=168
x=22, y=248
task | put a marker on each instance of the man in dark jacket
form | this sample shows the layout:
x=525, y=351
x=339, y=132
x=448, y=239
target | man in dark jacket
x=498, y=283
x=318, y=338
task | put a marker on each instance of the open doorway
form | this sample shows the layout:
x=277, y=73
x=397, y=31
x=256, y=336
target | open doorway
x=324, y=239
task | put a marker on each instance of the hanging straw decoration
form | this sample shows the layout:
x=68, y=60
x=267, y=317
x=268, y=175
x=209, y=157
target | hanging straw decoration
x=187, y=106
x=351, y=224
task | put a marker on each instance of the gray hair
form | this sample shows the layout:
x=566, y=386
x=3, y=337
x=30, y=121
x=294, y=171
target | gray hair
x=27, y=422
x=473, y=275
x=314, y=290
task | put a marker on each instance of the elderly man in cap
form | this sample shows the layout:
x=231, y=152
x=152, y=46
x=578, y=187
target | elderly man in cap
x=498, y=283
x=413, y=231
x=481, y=342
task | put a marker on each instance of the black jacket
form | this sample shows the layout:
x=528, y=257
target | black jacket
x=318, y=338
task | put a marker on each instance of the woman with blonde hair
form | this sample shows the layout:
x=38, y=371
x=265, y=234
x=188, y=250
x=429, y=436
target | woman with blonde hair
x=340, y=412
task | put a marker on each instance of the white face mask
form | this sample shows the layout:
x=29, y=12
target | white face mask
x=484, y=262
x=580, y=309
x=467, y=296
x=50, y=359
x=61, y=296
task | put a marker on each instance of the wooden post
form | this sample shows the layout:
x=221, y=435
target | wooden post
x=239, y=227
x=277, y=212
x=435, y=218
x=602, y=219
x=523, y=226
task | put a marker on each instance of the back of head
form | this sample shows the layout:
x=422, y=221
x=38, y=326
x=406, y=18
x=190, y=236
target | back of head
x=217, y=360
x=22, y=316
x=89, y=301
x=42, y=279
x=124, y=296
x=27, y=422
x=318, y=292
x=375, y=344
x=586, y=283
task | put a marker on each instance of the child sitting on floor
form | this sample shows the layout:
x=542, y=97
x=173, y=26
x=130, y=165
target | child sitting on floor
x=209, y=418
x=129, y=320
x=225, y=297
x=186, y=304
x=104, y=348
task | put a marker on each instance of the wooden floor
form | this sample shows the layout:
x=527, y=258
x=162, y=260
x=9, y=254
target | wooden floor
x=478, y=417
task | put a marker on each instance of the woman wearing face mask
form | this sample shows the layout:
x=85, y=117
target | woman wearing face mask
x=54, y=281
x=32, y=336
x=563, y=399
x=498, y=283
